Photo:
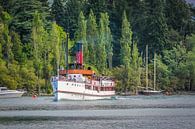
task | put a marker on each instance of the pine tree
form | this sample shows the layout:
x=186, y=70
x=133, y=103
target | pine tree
x=98, y=6
x=72, y=11
x=58, y=13
x=92, y=37
x=155, y=27
x=80, y=35
x=46, y=13
x=178, y=16
x=66, y=14
x=22, y=12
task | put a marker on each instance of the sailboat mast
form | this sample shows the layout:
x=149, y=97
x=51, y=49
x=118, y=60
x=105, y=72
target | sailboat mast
x=146, y=67
x=67, y=54
x=154, y=71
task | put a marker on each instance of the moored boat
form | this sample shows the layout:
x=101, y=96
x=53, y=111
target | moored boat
x=148, y=91
x=5, y=93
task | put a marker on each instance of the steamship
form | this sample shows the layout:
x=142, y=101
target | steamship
x=79, y=83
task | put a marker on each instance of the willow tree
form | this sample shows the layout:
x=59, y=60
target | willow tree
x=81, y=35
x=125, y=51
x=92, y=37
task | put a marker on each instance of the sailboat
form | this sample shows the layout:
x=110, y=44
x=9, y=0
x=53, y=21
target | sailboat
x=148, y=91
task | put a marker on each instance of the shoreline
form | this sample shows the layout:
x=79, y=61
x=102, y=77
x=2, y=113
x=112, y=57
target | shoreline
x=163, y=93
x=130, y=94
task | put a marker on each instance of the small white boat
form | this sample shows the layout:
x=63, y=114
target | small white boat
x=5, y=93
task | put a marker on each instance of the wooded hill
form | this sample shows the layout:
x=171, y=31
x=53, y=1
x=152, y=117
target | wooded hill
x=115, y=33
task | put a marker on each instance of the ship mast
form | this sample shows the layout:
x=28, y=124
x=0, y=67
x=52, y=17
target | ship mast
x=67, y=54
x=146, y=67
x=154, y=71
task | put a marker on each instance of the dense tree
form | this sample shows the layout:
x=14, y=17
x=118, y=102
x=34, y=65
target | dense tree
x=5, y=40
x=191, y=63
x=58, y=13
x=101, y=46
x=66, y=14
x=136, y=63
x=6, y=4
x=155, y=29
x=28, y=77
x=38, y=41
x=32, y=48
x=17, y=47
x=125, y=52
x=57, y=38
x=176, y=60
x=125, y=41
x=98, y=6
x=108, y=38
x=92, y=37
x=179, y=17
x=22, y=12
x=81, y=35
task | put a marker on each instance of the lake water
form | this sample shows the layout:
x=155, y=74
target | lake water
x=135, y=112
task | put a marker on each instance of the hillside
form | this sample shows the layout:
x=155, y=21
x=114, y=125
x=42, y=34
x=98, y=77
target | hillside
x=33, y=37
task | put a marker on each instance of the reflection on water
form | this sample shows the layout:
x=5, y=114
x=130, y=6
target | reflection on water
x=137, y=112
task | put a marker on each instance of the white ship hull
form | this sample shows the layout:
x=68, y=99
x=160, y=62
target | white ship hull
x=76, y=91
x=11, y=94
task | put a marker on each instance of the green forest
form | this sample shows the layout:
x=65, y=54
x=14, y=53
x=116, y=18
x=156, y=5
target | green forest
x=114, y=33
